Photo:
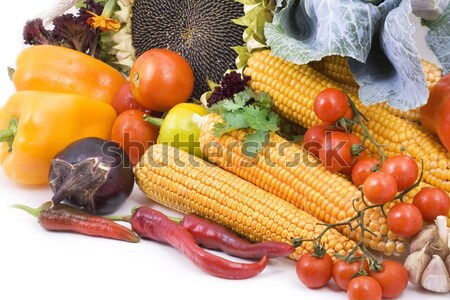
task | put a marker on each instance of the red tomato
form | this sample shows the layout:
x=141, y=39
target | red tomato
x=124, y=100
x=313, y=138
x=134, y=134
x=314, y=272
x=364, y=288
x=344, y=272
x=348, y=115
x=357, y=153
x=432, y=202
x=403, y=168
x=335, y=153
x=330, y=105
x=379, y=187
x=363, y=168
x=393, y=278
x=405, y=220
x=160, y=79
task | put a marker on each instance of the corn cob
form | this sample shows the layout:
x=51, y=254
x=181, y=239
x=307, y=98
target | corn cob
x=306, y=183
x=412, y=115
x=293, y=88
x=188, y=184
x=336, y=68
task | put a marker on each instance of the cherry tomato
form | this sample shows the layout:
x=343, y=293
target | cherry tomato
x=403, y=168
x=348, y=115
x=364, y=288
x=432, y=202
x=380, y=187
x=335, y=152
x=160, y=79
x=344, y=271
x=124, y=100
x=355, y=142
x=313, y=271
x=330, y=105
x=393, y=278
x=133, y=133
x=363, y=168
x=313, y=138
x=404, y=219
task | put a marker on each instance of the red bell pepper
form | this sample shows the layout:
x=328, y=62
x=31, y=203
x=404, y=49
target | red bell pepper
x=435, y=115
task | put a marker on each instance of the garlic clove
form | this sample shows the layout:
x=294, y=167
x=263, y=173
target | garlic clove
x=435, y=276
x=439, y=244
x=447, y=263
x=415, y=264
x=424, y=236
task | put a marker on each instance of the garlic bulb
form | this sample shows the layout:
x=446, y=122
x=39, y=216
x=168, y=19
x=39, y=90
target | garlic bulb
x=426, y=266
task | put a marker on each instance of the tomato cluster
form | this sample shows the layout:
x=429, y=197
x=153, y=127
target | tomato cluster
x=360, y=282
x=337, y=148
x=159, y=80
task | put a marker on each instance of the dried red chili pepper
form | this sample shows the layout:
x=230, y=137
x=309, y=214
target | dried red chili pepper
x=62, y=217
x=217, y=237
x=152, y=224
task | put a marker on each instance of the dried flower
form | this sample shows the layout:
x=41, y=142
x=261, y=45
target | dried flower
x=104, y=22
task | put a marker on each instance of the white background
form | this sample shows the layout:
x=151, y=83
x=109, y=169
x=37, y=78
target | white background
x=38, y=263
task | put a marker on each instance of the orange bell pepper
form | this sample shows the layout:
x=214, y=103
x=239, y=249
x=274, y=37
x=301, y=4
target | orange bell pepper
x=60, y=69
x=435, y=114
x=36, y=125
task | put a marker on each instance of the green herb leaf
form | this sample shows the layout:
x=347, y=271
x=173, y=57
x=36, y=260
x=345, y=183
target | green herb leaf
x=232, y=121
x=254, y=143
x=247, y=110
x=259, y=119
x=263, y=100
x=230, y=105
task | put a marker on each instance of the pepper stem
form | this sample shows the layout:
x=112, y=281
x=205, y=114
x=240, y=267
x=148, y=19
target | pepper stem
x=154, y=121
x=32, y=211
x=124, y=218
x=176, y=219
x=8, y=135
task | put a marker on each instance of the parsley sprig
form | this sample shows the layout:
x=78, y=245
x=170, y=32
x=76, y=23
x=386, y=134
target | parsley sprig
x=247, y=109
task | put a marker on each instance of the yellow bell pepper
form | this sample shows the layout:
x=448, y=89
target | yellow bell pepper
x=43, y=123
x=60, y=69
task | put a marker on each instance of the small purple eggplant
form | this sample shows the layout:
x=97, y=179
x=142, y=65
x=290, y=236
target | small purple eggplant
x=93, y=174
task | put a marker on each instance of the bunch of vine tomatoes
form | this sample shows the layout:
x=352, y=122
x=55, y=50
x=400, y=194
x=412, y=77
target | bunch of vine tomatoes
x=382, y=180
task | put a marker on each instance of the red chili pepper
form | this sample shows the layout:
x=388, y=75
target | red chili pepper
x=217, y=237
x=62, y=217
x=152, y=224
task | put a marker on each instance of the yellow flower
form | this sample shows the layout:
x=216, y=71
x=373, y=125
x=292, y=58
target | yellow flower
x=103, y=23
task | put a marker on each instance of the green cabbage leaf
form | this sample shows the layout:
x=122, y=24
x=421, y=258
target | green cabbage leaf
x=376, y=39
